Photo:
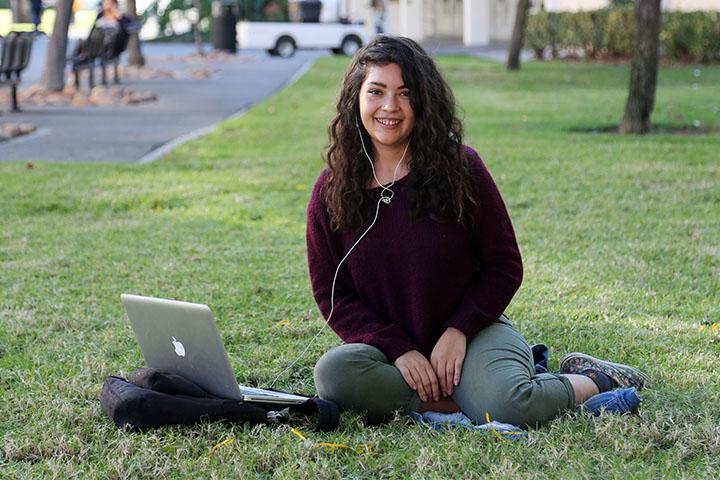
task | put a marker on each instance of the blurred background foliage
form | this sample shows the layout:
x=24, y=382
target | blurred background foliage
x=610, y=33
x=253, y=10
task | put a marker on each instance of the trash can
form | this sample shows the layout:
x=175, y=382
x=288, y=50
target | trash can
x=224, y=25
x=307, y=11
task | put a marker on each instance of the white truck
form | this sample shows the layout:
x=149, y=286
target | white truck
x=333, y=31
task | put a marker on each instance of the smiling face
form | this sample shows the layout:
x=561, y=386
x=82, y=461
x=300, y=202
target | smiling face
x=385, y=109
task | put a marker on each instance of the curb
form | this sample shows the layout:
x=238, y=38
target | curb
x=40, y=132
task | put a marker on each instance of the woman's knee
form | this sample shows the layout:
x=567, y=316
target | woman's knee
x=338, y=373
x=517, y=406
x=525, y=404
x=359, y=377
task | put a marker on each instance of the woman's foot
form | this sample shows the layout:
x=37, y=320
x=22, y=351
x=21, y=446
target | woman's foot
x=623, y=375
x=620, y=400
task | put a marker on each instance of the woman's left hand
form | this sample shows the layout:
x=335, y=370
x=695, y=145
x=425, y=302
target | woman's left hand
x=447, y=359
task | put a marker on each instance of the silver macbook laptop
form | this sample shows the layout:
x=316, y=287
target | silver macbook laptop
x=181, y=338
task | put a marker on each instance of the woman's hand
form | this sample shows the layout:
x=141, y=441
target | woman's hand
x=419, y=375
x=447, y=359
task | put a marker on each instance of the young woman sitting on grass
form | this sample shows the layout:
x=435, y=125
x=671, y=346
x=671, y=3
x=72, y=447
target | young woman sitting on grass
x=419, y=300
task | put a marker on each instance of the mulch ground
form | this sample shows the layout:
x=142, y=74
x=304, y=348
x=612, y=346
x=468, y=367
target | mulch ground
x=70, y=96
x=10, y=130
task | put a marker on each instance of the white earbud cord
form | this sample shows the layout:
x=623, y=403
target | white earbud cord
x=383, y=199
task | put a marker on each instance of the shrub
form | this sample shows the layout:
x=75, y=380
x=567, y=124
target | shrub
x=711, y=53
x=543, y=32
x=620, y=32
x=587, y=30
x=692, y=37
x=554, y=27
x=566, y=32
x=681, y=37
x=684, y=36
x=537, y=34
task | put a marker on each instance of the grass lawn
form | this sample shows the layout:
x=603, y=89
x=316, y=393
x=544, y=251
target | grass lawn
x=620, y=238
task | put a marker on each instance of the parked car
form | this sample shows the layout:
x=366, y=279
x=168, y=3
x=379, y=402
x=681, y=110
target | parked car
x=284, y=38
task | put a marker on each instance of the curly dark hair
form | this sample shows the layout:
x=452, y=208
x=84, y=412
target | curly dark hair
x=440, y=182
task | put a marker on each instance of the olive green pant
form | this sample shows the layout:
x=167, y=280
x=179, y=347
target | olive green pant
x=498, y=378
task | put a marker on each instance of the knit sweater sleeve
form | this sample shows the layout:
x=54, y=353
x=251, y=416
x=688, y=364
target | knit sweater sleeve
x=352, y=320
x=499, y=269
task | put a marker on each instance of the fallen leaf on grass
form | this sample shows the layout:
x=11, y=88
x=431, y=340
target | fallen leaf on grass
x=227, y=441
x=331, y=447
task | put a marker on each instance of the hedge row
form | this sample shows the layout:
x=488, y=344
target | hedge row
x=684, y=36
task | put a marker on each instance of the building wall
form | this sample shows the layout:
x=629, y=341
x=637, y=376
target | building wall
x=681, y=5
x=443, y=18
x=503, y=19
x=691, y=5
x=574, y=5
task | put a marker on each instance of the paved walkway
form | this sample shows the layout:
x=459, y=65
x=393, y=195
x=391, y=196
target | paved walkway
x=497, y=52
x=131, y=133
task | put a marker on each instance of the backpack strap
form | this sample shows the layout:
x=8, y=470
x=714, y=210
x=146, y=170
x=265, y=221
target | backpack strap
x=326, y=411
x=328, y=415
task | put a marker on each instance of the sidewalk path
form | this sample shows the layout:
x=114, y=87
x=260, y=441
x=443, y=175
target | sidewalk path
x=496, y=51
x=131, y=133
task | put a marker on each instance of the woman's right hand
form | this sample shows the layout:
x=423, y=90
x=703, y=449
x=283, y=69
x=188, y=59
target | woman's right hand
x=419, y=375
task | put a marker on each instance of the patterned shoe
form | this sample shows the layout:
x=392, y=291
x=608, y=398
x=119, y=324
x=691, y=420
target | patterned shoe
x=623, y=375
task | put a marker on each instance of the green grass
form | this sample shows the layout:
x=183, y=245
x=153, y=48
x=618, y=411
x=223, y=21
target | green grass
x=621, y=243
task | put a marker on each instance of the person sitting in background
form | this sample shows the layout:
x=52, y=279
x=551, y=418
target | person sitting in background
x=273, y=12
x=379, y=9
x=111, y=17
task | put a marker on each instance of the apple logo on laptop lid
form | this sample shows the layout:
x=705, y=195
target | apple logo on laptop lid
x=179, y=347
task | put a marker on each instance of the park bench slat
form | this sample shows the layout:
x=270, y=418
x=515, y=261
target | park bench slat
x=15, y=57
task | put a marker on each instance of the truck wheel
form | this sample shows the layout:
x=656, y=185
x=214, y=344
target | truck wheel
x=285, y=47
x=350, y=45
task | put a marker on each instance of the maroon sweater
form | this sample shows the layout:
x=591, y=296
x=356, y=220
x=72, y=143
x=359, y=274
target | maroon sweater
x=411, y=278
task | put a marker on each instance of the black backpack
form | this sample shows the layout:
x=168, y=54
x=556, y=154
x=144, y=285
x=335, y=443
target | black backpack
x=152, y=398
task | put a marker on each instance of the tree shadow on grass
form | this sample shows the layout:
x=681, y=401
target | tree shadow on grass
x=657, y=129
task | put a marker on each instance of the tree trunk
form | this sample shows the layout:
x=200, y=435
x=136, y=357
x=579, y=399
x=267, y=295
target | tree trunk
x=135, y=56
x=516, y=43
x=644, y=69
x=196, y=30
x=53, y=76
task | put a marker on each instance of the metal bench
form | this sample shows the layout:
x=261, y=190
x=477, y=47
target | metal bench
x=15, y=57
x=103, y=47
